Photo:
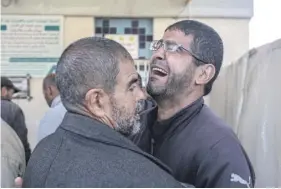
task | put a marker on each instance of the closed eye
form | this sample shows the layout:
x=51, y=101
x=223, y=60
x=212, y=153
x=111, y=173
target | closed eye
x=133, y=87
x=132, y=84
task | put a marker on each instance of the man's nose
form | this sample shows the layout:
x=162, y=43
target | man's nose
x=141, y=95
x=159, y=54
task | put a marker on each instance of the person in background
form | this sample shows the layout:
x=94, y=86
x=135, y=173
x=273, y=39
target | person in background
x=181, y=130
x=12, y=114
x=143, y=87
x=99, y=87
x=12, y=156
x=54, y=116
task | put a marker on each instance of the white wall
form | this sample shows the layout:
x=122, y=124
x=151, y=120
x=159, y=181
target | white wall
x=76, y=27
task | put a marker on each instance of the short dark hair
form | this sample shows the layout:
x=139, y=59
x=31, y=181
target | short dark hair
x=207, y=45
x=89, y=63
x=49, y=80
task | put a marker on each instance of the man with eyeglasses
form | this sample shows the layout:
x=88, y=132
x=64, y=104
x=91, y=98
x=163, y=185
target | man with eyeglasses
x=181, y=130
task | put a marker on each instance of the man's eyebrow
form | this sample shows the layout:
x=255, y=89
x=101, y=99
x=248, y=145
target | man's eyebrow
x=132, y=81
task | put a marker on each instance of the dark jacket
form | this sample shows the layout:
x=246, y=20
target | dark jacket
x=198, y=146
x=86, y=153
x=12, y=114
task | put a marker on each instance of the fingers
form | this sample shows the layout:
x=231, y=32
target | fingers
x=18, y=182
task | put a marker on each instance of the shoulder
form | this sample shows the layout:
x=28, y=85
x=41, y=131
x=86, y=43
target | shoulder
x=222, y=150
x=41, y=161
x=211, y=129
x=212, y=119
x=49, y=144
x=10, y=106
x=229, y=163
x=211, y=135
x=46, y=150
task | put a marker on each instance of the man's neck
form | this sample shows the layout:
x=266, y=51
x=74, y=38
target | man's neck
x=55, y=101
x=167, y=108
x=79, y=109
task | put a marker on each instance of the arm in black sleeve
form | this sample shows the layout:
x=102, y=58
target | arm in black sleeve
x=226, y=165
x=21, y=130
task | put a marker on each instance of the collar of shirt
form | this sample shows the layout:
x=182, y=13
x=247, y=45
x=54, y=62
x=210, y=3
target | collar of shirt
x=161, y=130
x=56, y=101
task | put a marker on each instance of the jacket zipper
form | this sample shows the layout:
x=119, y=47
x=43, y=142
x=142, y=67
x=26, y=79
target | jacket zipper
x=152, y=143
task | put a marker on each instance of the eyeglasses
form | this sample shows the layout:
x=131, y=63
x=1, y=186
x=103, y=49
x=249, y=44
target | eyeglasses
x=170, y=46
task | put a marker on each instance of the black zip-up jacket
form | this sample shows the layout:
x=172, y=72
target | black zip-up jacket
x=197, y=145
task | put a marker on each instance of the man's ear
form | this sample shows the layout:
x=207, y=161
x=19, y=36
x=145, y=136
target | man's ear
x=95, y=101
x=50, y=91
x=204, y=74
x=53, y=91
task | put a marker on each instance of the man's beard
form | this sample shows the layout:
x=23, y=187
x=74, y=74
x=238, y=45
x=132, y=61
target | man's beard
x=127, y=123
x=176, y=84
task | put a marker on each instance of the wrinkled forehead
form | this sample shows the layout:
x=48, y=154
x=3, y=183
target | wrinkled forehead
x=127, y=71
x=178, y=37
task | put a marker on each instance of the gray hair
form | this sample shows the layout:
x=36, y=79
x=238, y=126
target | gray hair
x=207, y=45
x=89, y=63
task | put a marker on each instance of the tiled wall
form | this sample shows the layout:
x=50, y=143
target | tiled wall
x=137, y=26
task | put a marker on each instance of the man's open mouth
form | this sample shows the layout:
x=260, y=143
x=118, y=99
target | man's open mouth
x=159, y=71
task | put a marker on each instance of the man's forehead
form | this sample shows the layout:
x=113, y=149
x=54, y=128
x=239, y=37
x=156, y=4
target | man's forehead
x=178, y=37
x=127, y=70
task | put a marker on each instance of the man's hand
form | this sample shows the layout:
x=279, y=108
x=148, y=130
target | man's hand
x=18, y=182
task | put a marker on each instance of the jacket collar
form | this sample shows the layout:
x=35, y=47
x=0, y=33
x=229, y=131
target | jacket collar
x=95, y=130
x=166, y=128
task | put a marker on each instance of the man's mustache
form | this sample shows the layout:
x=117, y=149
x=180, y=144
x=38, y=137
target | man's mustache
x=157, y=62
